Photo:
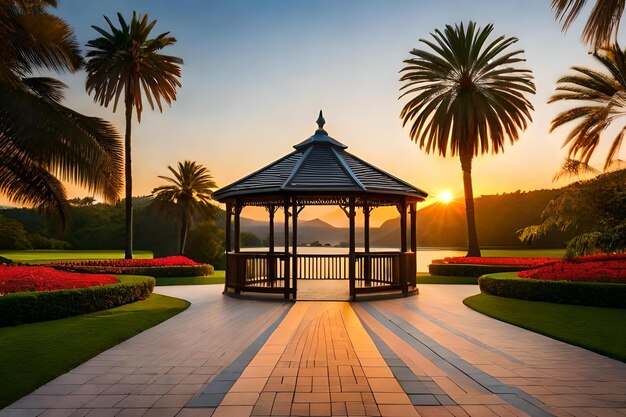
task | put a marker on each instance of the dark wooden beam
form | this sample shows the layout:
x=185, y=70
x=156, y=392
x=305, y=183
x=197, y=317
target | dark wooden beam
x=271, y=259
x=237, y=227
x=366, y=238
x=352, y=253
x=403, y=270
x=413, y=227
x=228, y=230
x=229, y=215
x=294, y=246
x=402, y=209
x=287, y=257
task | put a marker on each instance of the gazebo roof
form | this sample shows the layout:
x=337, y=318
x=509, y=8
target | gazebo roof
x=319, y=165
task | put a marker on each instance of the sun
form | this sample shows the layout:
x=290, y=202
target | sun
x=445, y=197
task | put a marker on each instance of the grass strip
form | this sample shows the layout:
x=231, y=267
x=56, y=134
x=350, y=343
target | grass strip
x=598, y=329
x=54, y=255
x=33, y=354
x=218, y=277
x=426, y=278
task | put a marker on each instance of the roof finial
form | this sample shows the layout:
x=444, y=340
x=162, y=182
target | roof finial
x=320, y=121
x=320, y=124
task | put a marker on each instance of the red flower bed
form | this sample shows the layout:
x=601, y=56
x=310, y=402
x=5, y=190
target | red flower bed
x=600, y=257
x=596, y=268
x=132, y=263
x=538, y=261
x=41, y=278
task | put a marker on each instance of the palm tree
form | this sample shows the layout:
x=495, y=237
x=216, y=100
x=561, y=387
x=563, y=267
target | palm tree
x=126, y=63
x=603, y=21
x=187, y=195
x=466, y=98
x=42, y=142
x=603, y=99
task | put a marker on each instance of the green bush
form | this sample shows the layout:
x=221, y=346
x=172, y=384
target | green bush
x=471, y=270
x=153, y=271
x=598, y=294
x=29, y=307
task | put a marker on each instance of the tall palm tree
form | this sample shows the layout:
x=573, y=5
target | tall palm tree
x=602, y=23
x=466, y=98
x=126, y=63
x=41, y=141
x=187, y=195
x=602, y=97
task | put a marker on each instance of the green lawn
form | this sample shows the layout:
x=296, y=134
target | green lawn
x=49, y=255
x=598, y=329
x=522, y=253
x=33, y=354
x=217, y=278
x=426, y=278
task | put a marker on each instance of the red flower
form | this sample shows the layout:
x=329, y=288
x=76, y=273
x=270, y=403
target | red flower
x=536, y=261
x=41, y=278
x=596, y=268
x=167, y=261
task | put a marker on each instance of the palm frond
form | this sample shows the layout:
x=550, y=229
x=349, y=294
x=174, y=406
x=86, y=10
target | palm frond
x=113, y=60
x=81, y=149
x=602, y=23
x=466, y=91
x=602, y=98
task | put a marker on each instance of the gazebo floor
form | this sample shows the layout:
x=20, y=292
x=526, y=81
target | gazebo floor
x=326, y=290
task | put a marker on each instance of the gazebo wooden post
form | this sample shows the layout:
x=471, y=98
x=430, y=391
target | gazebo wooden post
x=412, y=269
x=294, y=246
x=287, y=257
x=271, y=259
x=239, y=279
x=366, y=239
x=352, y=254
x=228, y=232
x=403, y=272
x=413, y=211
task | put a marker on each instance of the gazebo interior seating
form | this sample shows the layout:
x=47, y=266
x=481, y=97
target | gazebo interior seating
x=320, y=172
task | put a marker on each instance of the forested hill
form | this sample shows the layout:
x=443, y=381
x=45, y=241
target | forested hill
x=100, y=226
x=498, y=218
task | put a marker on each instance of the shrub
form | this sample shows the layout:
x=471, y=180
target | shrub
x=42, y=242
x=13, y=236
x=153, y=271
x=468, y=270
x=29, y=307
x=562, y=292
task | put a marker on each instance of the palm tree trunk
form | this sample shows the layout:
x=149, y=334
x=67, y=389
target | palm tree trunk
x=473, y=249
x=184, y=229
x=128, y=254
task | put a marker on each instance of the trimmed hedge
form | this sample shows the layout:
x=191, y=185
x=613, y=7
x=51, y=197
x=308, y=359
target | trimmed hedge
x=153, y=271
x=29, y=307
x=472, y=270
x=598, y=294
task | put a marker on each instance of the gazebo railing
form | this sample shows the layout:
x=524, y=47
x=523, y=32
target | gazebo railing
x=256, y=269
x=328, y=266
x=268, y=271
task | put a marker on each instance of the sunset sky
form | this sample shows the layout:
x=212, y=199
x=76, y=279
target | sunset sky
x=257, y=72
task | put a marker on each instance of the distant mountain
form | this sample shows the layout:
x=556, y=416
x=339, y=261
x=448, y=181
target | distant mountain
x=498, y=218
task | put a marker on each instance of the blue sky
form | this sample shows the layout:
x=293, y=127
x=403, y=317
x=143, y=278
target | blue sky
x=257, y=72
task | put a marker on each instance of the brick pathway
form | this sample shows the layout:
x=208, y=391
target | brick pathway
x=419, y=356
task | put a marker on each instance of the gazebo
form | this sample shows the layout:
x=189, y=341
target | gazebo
x=320, y=172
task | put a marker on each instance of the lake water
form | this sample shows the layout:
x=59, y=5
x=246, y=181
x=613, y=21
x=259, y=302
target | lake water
x=424, y=255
